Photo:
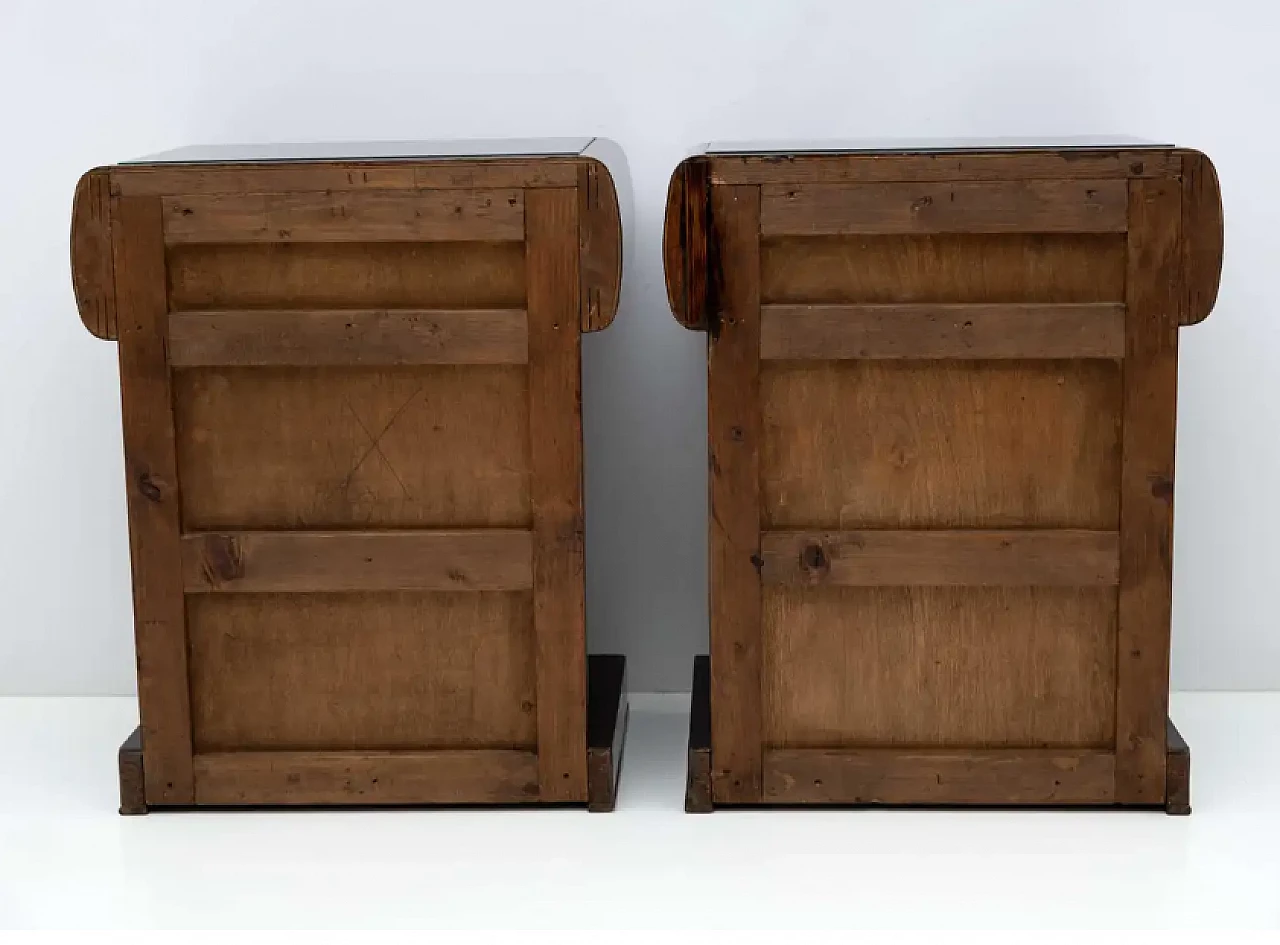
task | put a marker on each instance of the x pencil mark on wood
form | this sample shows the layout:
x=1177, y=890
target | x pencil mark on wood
x=375, y=442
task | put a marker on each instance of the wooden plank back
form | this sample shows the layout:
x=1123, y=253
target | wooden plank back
x=940, y=418
x=352, y=402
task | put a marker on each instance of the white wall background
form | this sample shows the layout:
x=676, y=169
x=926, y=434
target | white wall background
x=86, y=83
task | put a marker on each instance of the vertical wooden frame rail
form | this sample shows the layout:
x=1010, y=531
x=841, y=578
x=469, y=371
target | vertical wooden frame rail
x=366, y=373
x=555, y=433
x=151, y=479
x=978, y=280
x=733, y=434
x=1150, y=369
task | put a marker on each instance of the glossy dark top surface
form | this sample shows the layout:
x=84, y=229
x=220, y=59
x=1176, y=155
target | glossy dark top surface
x=369, y=151
x=930, y=145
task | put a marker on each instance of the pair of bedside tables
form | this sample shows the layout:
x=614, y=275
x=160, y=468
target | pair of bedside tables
x=941, y=388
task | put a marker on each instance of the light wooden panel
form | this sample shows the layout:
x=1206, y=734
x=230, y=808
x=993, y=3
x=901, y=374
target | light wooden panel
x=1026, y=558
x=358, y=216
x=366, y=777
x=346, y=275
x=1015, y=206
x=325, y=448
x=987, y=331
x=1006, y=267
x=1146, y=503
x=954, y=444
x=151, y=486
x=294, y=671
x=939, y=667
x=489, y=559
x=1021, y=776
x=348, y=337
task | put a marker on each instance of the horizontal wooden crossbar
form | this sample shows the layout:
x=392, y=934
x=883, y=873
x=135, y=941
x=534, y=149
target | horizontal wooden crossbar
x=476, y=560
x=156, y=180
x=349, y=337
x=837, y=332
x=360, y=216
x=473, y=776
x=1045, y=164
x=1066, y=557
x=1019, y=206
x=891, y=776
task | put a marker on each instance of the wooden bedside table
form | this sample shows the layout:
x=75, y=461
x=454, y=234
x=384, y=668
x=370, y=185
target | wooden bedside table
x=941, y=389
x=352, y=421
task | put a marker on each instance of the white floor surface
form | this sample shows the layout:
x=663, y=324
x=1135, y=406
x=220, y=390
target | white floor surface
x=67, y=858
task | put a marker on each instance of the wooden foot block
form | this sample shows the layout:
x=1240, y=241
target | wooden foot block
x=607, y=715
x=133, y=798
x=697, y=791
x=1177, y=773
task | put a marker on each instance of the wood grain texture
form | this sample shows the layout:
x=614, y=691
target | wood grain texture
x=940, y=444
x=335, y=448
x=365, y=670
x=555, y=436
x=366, y=376
x=346, y=275
x=1027, y=558
x=686, y=244
x=953, y=166
x=1202, y=234
x=92, y=268
x=1014, y=777
x=151, y=480
x=162, y=180
x=1146, y=490
x=1015, y=206
x=920, y=331
x=488, y=559
x=599, y=245
x=947, y=268
x=734, y=443
x=348, y=337
x=372, y=216
x=963, y=398
x=939, y=667
x=299, y=778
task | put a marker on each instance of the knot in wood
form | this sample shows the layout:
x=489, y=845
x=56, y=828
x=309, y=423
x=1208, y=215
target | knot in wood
x=813, y=558
x=149, y=488
x=222, y=559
